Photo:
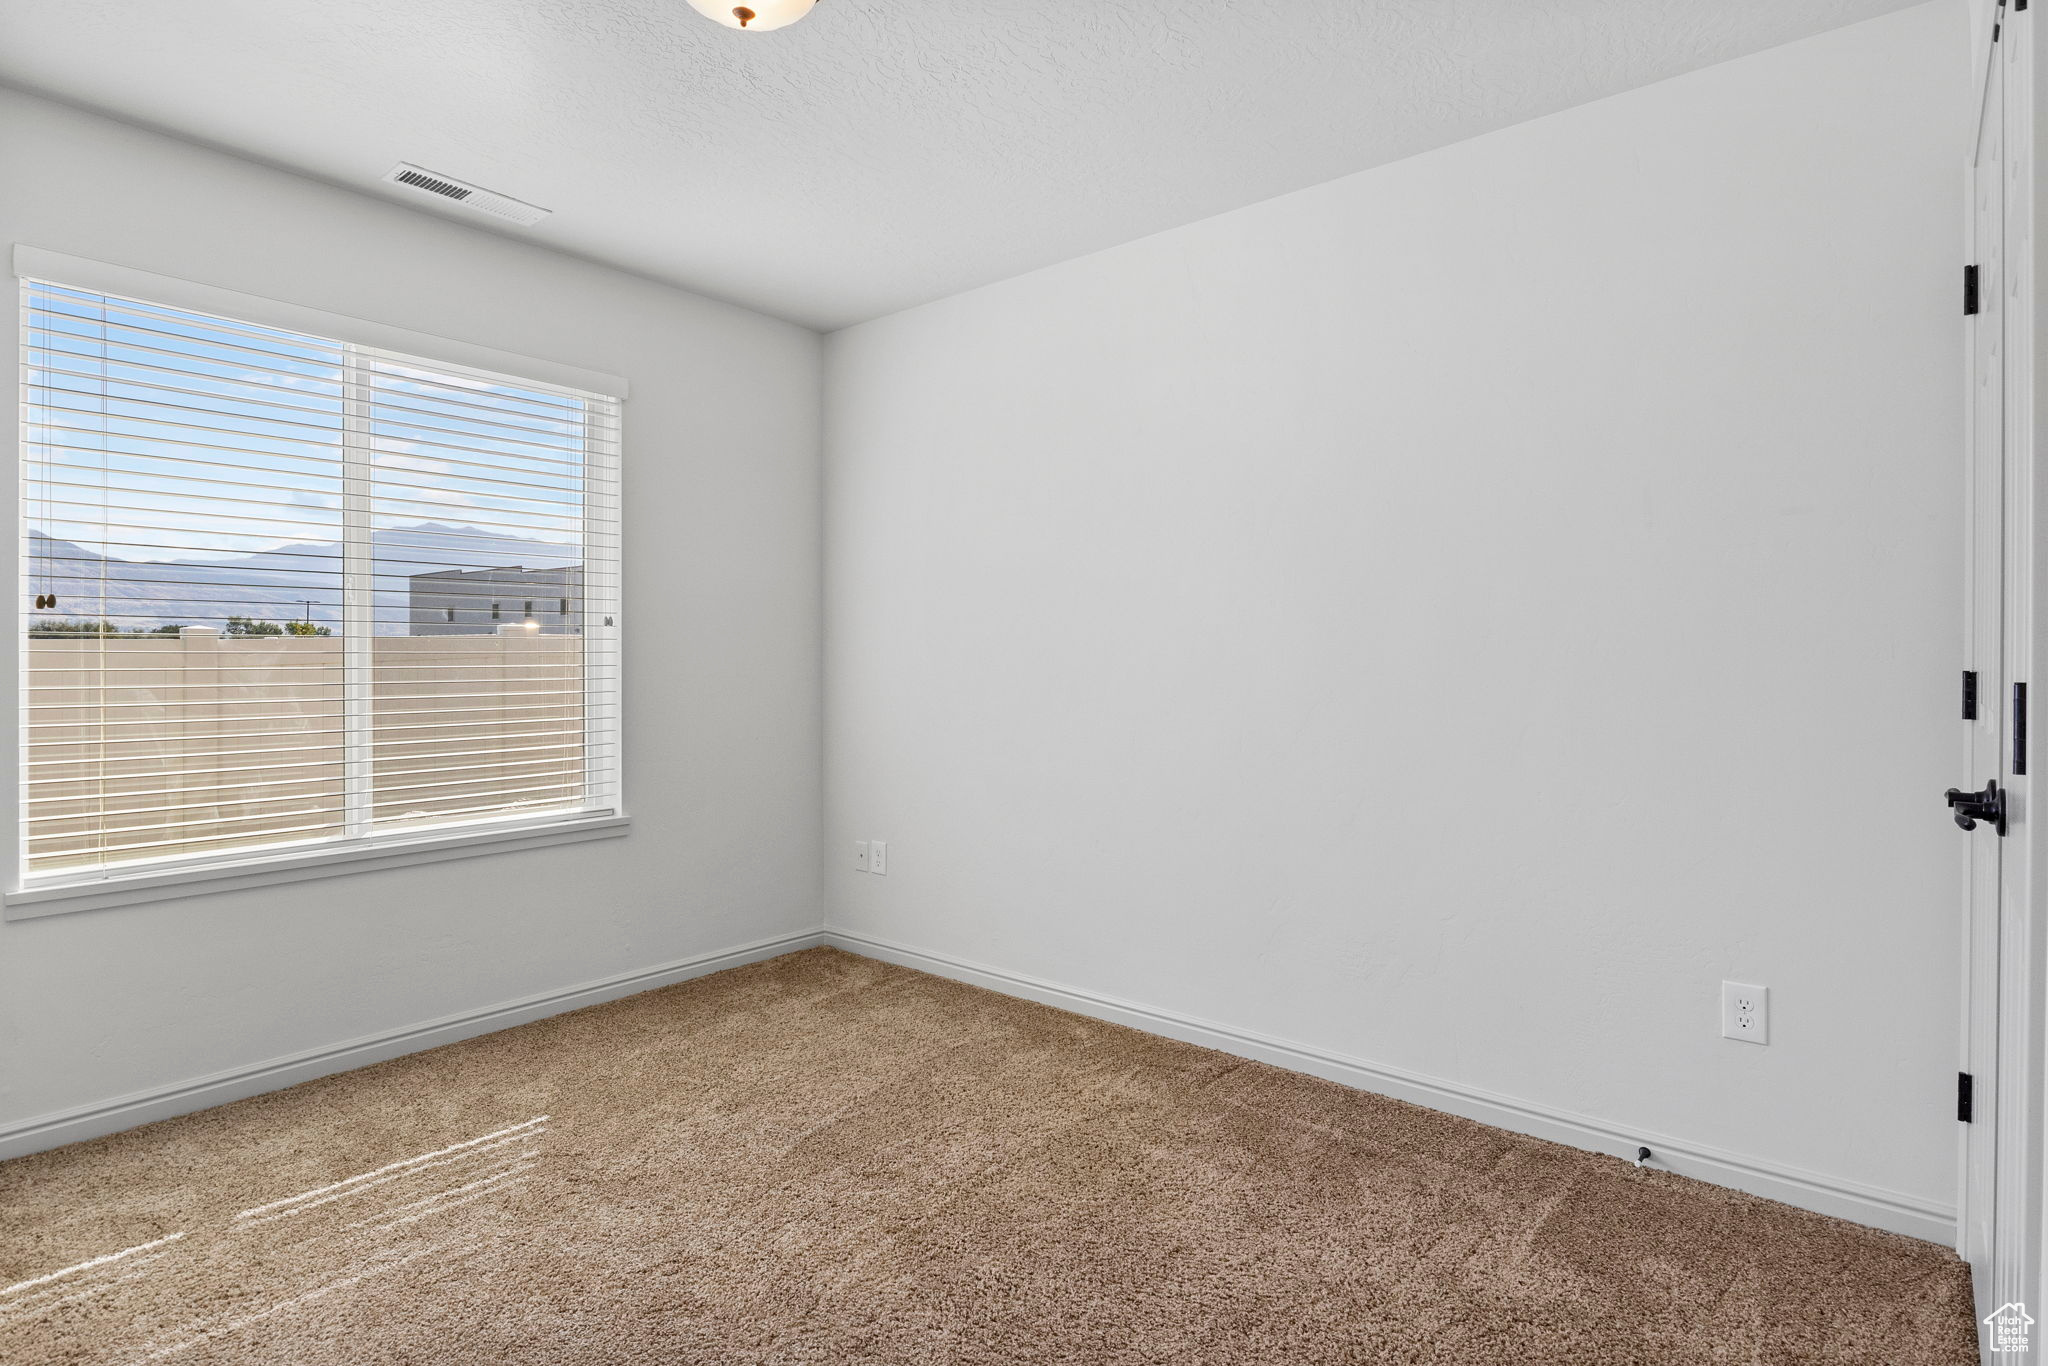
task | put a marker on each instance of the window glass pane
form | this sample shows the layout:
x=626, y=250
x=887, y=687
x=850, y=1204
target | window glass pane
x=182, y=508
x=478, y=502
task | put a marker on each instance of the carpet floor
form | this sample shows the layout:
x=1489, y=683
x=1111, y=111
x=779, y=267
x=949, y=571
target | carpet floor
x=825, y=1159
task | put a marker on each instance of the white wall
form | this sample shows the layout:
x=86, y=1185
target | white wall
x=722, y=604
x=1457, y=615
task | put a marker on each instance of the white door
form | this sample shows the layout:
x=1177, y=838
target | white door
x=1983, y=686
x=2000, y=1224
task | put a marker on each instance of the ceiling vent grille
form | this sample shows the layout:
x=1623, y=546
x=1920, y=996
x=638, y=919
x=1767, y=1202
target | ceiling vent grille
x=422, y=181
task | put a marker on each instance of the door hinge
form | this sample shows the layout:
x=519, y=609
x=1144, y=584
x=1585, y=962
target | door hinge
x=2019, y=729
x=1965, y=1085
x=1969, y=694
x=1970, y=307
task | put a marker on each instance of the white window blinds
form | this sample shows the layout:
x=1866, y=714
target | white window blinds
x=285, y=592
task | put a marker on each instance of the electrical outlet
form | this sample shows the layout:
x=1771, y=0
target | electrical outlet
x=878, y=858
x=861, y=856
x=1745, y=1012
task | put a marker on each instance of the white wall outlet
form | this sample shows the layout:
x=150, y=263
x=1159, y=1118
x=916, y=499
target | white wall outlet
x=861, y=856
x=878, y=858
x=1745, y=1012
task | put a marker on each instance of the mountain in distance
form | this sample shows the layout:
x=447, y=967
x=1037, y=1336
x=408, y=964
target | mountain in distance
x=299, y=581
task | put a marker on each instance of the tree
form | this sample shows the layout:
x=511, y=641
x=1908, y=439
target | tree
x=306, y=628
x=70, y=627
x=246, y=626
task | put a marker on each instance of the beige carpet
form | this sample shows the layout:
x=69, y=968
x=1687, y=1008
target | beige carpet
x=825, y=1159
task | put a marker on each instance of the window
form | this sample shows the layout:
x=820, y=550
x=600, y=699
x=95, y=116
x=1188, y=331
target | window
x=244, y=550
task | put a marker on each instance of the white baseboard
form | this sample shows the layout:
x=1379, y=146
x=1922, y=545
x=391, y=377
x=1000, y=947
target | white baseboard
x=203, y=1093
x=1829, y=1195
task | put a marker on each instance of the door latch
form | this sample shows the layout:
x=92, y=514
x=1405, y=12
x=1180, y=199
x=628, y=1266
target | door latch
x=1971, y=807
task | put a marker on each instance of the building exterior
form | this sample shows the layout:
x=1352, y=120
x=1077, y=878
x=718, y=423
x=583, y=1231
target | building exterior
x=477, y=602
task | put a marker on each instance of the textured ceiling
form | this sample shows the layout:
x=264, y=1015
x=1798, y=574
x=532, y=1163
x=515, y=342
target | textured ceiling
x=883, y=152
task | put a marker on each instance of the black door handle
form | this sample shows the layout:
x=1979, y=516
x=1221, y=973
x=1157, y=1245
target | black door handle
x=1971, y=807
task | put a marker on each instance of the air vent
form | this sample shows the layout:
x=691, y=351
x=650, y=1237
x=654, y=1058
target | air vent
x=422, y=181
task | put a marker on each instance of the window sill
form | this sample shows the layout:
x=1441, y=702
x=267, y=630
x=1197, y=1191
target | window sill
x=62, y=899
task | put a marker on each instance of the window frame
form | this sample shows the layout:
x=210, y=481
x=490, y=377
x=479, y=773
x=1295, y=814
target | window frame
x=22, y=897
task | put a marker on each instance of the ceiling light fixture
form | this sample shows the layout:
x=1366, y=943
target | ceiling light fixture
x=757, y=16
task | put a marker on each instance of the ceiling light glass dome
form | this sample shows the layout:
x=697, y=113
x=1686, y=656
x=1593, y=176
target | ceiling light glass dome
x=755, y=16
